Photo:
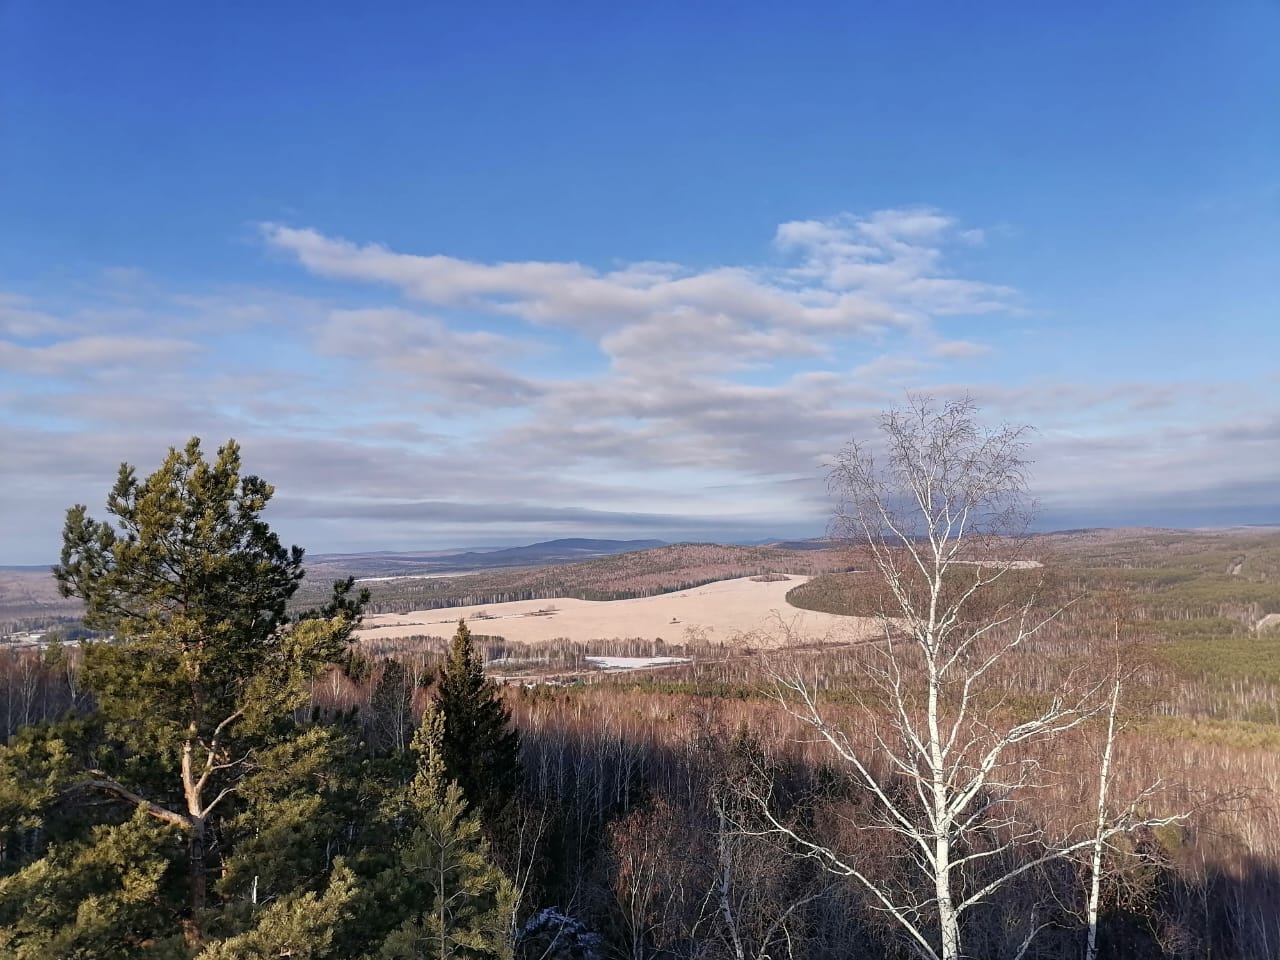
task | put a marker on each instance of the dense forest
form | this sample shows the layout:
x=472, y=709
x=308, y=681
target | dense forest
x=233, y=775
x=642, y=573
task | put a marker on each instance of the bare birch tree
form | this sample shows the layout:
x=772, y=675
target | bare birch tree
x=1100, y=827
x=941, y=513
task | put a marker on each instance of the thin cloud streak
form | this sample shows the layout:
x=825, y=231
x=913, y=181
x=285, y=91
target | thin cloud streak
x=514, y=400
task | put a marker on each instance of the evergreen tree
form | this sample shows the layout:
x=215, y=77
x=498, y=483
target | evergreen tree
x=290, y=816
x=471, y=903
x=104, y=896
x=479, y=747
x=34, y=769
x=205, y=665
x=299, y=927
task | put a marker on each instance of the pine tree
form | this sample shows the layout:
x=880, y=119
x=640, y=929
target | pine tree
x=471, y=902
x=480, y=749
x=300, y=927
x=289, y=818
x=35, y=767
x=103, y=896
x=205, y=665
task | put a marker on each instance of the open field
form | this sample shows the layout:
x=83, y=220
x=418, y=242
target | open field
x=715, y=613
x=639, y=573
x=29, y=600
x=641, y=685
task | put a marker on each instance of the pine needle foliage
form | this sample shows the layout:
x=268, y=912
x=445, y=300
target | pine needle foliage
x=108, y=895
x=471, y=902
x=204, y=667
x=298, y=927
x=480, y=749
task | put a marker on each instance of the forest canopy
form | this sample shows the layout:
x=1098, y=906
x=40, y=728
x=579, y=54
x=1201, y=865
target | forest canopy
x=225, y=772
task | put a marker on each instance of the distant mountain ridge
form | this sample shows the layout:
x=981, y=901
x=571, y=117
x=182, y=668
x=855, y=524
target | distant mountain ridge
x=427, y=562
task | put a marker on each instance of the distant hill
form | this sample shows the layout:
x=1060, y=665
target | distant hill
x=29, y=599
x=546, y=552
x=426, y=563
x=813, y=543
x=621, y=575
x=1247, y=565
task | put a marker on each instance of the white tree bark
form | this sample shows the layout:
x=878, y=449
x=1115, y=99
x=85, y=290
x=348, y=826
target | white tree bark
x=1095, y=871
x=941, y=519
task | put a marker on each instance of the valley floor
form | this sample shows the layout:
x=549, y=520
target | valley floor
x=716, y=612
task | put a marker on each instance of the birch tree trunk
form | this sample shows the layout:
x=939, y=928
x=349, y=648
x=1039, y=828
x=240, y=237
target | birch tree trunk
x=1099, y=834
x=938, y=508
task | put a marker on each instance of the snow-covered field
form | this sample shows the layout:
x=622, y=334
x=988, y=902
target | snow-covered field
x=634, y=663
x=718, y=612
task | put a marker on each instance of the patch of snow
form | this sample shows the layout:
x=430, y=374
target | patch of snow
x=634, y=663
x=1005, y=564
x=554, y=934
x=418, y=576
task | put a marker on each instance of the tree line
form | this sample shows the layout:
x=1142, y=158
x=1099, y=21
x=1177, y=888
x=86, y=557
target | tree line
x=197, y=795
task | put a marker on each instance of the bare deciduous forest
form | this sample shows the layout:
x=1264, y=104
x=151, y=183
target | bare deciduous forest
x=652, y=481
x=1107, y=787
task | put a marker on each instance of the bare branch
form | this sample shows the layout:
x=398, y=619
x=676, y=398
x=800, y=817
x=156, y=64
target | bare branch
x=940, y=516
x=100, y=782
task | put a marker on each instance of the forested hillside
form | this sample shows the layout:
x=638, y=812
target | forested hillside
x=640, y=573
x=234, y=777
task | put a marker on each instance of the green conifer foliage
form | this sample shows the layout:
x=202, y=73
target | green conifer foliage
x=34, y=768
x=287, y=814
x=206, y=664
x=103, y=897
x=469, y=902
x=480, y=749
x=299, y=927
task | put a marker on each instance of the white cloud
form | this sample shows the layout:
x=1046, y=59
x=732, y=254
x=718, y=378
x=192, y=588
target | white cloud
x=94, y=355
x=856, y=277
x=19, y=321
x=429, y=356
x=566, y=395
x=894, y=257
x=954, y=349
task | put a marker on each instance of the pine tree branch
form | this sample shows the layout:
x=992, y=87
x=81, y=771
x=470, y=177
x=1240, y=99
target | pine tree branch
x=124, y=793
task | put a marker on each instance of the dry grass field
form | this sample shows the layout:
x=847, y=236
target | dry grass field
x=744, y=608
x=1184, y=613
x=29, y=600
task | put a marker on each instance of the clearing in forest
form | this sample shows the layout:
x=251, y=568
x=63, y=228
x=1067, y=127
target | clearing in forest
x=716, y=612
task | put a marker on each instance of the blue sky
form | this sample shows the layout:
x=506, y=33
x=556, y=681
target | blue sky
x=479, y=273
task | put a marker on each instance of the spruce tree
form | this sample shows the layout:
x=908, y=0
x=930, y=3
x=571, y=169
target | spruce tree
x=479, y=747
x=469, y=903
x=204, y=665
